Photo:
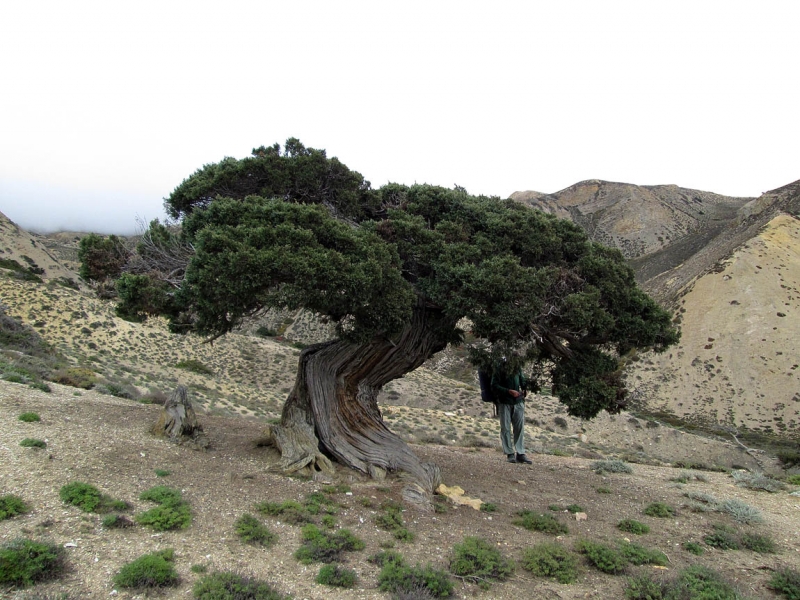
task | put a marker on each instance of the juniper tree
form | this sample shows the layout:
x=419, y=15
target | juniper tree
x=397, y=269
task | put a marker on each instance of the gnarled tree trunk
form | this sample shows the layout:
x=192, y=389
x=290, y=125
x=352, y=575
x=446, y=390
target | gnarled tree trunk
x=333, y=410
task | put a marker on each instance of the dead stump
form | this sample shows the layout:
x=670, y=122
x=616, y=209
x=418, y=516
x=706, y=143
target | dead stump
x=178, y=421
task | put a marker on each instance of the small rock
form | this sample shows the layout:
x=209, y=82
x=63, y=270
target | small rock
x=70, y=545
x=581, y=517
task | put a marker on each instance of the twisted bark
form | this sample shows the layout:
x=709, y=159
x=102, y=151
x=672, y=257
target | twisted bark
x=333, y=411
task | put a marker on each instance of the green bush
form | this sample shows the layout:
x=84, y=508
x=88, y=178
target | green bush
x=117, y=522
x=644, y=587
x=693, y=548
x=605, y=558
x=149, y=571
x=611, y=466
x=488, y=507
x=741, y=511
x=701, y=582
x=659, y=509
x=195, y=366
x=33, y=443
x=632, y=526
x=392, y=520
x=89, y=499
x=336, y=576
x=575, y=508
x=786, y=581
x=724, y=538
x=78, y=377
x=761, y=543
x=197, y=568
x=757, y=481
x=793, y=479
x=24, y=562
x=321, y=546
x=478, y=561
x=251, y=531
x=410, y=582
x=11, y=506
x=162, y=473
x=172, y=512
x=29, y=417
x=639, y=555
x=539, y=522
x=551, y=560
x=789, y=458
x=224, y=585
x=290, y=511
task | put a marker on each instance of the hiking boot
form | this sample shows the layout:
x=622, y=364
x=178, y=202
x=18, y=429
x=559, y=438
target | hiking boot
x=511, y=458
x=521, y=458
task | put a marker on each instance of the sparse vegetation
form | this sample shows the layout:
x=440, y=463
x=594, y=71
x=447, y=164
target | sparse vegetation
x=391, y=519
x=410, y=582
x=154, y=570
x=695, y=582
x=24, y=562
x=336, y=576
x=172, y=512
x=321, y=546
x=33, y=443
x=786, y=581
x=251, y=531
x=551, y=560
x=757, y=481
x=693, y=548
x=602, y=557
x=632, y=526
x=224, y=585
x=117, y=522
x=89, y=499
x=478, y=561
x=195, y=366
x=611, y=466
x=11, y=506
x=660, y=509
x=29, y=417
x=540, y=522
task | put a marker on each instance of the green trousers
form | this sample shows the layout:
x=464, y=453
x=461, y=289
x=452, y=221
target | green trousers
x=512, y=420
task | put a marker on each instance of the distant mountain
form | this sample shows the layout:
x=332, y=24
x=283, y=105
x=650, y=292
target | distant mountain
x=730, y=267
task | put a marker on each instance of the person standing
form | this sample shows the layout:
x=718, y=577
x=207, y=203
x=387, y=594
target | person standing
x=510, y=393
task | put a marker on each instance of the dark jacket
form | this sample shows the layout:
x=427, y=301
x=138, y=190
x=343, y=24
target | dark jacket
x=501, y=384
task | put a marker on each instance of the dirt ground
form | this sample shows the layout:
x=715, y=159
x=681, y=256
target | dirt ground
x=104, y=441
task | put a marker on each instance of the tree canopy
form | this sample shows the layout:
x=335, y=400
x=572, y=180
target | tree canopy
x=294, y=228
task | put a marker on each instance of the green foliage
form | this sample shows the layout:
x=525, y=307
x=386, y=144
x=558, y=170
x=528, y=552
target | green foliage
x=24, y=562
x=488, y=507
x=79, y=377
x=149, y=571
x=757, y=542
x=321, y=546
x=336, y=576
x=224, y=585
x=290, y=511
x=198, y=568
x=659, y=509
x=417, y=581
x=141, y=296
x=195, y=366
x=741, y=511
x=605, y=558
x=539, y=522
x=611, y=466
x=33, y=443
x=392, y=520
x=251, y=531
x=603, y=490
x=786, y=581
x=724, y=538
x=693, y=583
x=789, y=457
x=551, y=560
x=757, y=481
x=32, y=357
x=639, y=555
x=320, y=238
x=89, y=499
x=172, y=512
x=793, y=479
x=11, y=506
x=478, y=561
x=117, y=522
x=101, y=257
x=632, y=526
x=693, y=548
x=574, y=508
x=162, y=473
x=29, y=417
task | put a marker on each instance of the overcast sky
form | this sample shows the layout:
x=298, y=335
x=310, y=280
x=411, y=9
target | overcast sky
x=106, y=106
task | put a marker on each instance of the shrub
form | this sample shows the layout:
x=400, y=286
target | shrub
x=78, y=377
x=761, y=543
x=634, y=527
x=639, y=555
x=659, y=509
x=320, y=546
x=29, y=417
x=757, y=481
x=793, y=479
x=551, y=560
x=603, y=490
x=195, y=366
x=605, y=558
x=693, y=548
x=488, y=507
x=611, y=466
x=89, y=499
x=724, y=538
x=404, y=580
x=33, y=443
x=117, y=522
x=539, y=522
x=740, y=511
x=11, y=506
x=251, y=531
x=24, y=562
x=224, y=585
x=392, y=520
x=701, y=582
x=162, y=473
x=575, y=508
x=789, y=458
x=336, y=576
x=476, y=560
x=198, y=568
x=787, y=582
x=172, y=512
x=290, y=511
x=149, y=571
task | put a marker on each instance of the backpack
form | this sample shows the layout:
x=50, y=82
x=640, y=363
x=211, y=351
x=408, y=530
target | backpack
x=485, y=381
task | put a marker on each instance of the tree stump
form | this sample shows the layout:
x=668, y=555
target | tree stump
x=178, y=421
